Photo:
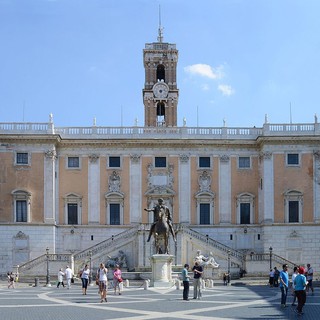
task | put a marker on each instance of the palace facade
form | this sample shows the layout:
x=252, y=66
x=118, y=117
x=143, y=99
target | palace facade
x=231, y=191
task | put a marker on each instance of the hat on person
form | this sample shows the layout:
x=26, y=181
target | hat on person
x=301, y=270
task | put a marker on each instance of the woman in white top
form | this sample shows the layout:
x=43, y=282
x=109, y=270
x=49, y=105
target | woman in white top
x=85, y=273
x=103, y=281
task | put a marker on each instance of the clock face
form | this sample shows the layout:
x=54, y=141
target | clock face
x=160, y=90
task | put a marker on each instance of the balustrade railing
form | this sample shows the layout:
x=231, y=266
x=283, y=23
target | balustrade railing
x=302, y=129
x=110, y=244
x=43, y=258
x=274, y=259
x=234, y=254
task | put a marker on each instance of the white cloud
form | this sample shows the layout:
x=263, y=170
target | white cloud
x=225, y=89
x=205, y=70
x=205, y=87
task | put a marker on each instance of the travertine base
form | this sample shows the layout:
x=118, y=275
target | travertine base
x=161, y=270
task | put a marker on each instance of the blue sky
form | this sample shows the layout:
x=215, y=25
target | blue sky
x=238, y=60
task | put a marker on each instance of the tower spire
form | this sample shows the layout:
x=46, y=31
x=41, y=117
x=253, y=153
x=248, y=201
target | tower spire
x=160, y=30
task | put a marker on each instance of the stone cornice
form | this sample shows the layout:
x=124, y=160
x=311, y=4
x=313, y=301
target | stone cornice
x=152, y=144
x=30, y=138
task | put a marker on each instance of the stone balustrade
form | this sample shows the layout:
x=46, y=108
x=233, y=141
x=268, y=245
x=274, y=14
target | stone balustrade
x=94, y=132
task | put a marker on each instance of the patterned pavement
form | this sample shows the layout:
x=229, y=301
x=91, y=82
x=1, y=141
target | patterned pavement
x=220, y=302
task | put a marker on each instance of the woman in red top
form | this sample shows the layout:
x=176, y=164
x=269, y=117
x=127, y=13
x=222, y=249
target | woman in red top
x=117, y=279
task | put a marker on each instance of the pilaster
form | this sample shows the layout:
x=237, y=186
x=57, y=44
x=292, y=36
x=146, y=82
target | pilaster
x=135, y=189
x=94, y=189
x=184, y=189
x=267, y=186
x=49, y=186
x=225, y=189
x=316, y=186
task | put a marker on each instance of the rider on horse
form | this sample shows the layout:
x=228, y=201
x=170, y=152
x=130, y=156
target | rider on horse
x=156, y=210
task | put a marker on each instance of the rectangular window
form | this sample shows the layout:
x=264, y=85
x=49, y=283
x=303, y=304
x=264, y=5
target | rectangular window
x=21, y=211
x=114, y=162
x=204, y=162
x=72, y=213
x=73, y=162
x=115, y=213
x=160, y=162
x=244, y=213
x=204, y=213
x=293, y=159
x=244, y=162
x=22, y=158
x=293, y=211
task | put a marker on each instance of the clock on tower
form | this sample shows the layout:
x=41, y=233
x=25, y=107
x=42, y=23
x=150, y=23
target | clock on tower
x=160, y=92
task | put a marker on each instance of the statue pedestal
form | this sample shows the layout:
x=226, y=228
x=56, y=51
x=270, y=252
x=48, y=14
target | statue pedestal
x=208, y=272
x=161, y=270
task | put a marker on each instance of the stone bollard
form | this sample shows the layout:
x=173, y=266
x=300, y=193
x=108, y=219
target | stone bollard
x=178, y=284
x=203, y=284
x=126, y=283
x=211, y=283
x=146, y=284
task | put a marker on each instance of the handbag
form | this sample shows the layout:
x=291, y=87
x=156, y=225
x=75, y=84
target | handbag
x=97, y=282
x=72, y=280
x=120, y=280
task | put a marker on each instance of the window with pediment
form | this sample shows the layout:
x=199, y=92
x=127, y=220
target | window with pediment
x=114, y=208
x=205, y=206
x=21, y=205
x=245, y=208
x=73, y=209
x=293, y=205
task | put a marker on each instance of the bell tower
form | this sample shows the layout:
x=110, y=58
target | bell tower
x=160, y=93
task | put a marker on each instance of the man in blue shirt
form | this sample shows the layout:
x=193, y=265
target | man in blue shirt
x=185, y=280
x=300, y=283
x=284, y=283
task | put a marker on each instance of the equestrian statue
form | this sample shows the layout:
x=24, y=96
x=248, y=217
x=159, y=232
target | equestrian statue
x=161, y=227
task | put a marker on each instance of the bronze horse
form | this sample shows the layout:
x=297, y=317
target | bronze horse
x=161, y=233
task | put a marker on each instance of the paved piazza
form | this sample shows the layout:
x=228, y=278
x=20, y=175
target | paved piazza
x=232, y=302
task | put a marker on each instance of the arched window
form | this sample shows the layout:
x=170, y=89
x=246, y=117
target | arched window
x=245, y=208
x=114, y=208
x=73, y=209
x=161, y=74
x=293, y=204
x=161, y=114
x=21, y=205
